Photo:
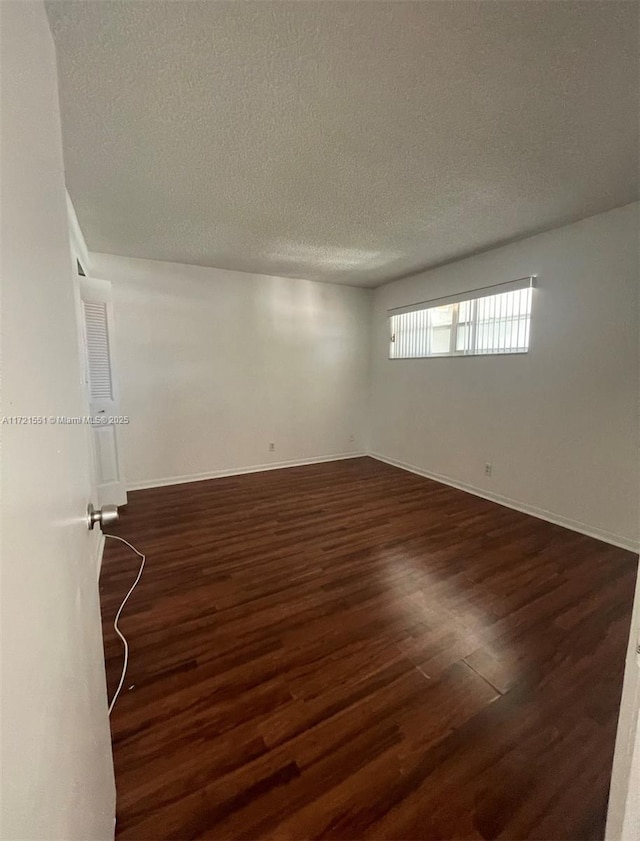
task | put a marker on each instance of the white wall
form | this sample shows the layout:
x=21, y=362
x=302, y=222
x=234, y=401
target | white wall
x=57, y=772
x=213, y=365
x=559, y=424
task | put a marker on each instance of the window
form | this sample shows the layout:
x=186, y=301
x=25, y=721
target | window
x=496, y=319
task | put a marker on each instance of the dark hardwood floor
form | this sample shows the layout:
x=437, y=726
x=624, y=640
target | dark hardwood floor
x=349, y=651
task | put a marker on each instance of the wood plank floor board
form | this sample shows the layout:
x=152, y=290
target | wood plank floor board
x=347, y=650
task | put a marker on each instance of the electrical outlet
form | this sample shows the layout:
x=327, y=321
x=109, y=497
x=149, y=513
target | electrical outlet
x=272, y=447
x=488, y=468
x=352, y=438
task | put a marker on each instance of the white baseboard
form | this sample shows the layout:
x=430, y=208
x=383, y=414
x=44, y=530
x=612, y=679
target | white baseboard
x=541, y=513
x=237, y=471
x=525, y=508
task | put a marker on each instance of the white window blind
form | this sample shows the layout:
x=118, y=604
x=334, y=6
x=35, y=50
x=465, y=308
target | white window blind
x=494, y=319
x=98, y=357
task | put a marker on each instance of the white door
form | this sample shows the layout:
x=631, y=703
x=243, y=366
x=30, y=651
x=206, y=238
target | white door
x=623, y=820
x=56, y=765
x=102, y=389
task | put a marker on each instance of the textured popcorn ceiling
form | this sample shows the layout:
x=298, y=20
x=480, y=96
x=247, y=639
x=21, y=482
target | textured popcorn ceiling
x=350, y=142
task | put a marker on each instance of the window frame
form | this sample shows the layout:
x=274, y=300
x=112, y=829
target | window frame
x=472, y=297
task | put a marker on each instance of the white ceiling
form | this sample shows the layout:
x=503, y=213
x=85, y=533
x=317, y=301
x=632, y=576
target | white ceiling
x=350, y=142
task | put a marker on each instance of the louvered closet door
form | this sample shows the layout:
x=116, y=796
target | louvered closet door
x=100, y=378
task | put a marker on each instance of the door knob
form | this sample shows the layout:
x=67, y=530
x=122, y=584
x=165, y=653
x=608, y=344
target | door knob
x=105, y=516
